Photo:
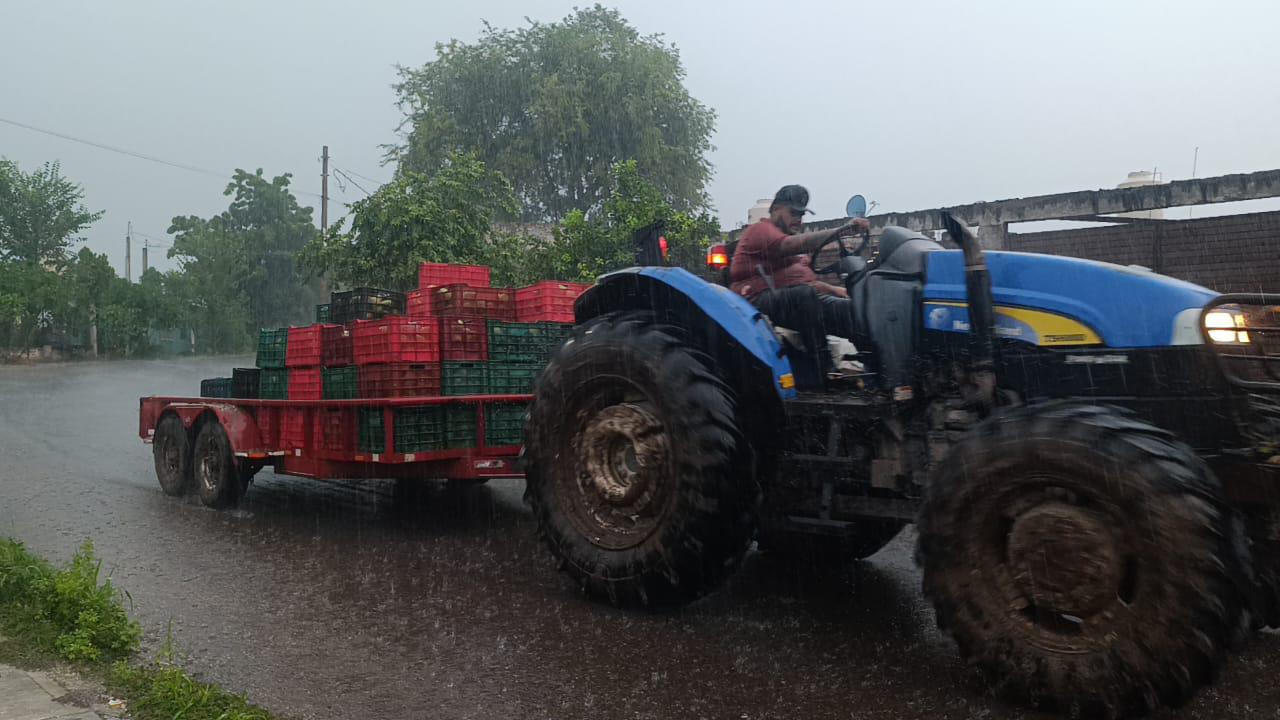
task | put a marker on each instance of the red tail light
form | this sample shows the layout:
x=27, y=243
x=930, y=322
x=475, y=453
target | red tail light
x=718, y=256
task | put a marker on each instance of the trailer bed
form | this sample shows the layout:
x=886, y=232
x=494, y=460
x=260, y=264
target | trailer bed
x=257, y=432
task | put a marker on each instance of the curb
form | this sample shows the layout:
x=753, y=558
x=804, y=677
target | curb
x=37, y=696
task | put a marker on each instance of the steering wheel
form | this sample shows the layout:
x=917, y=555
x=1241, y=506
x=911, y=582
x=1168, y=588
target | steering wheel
x=844, y=251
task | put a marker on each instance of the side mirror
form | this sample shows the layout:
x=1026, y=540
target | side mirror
x=856, y=207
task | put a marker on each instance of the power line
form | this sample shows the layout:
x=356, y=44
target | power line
x=138, y=155
x=337, y=171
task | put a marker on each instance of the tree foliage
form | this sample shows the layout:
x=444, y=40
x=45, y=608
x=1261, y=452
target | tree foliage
x=240, y=266
x=41, y=214
x=586, y=246
x=415, y=218
x=553, y=106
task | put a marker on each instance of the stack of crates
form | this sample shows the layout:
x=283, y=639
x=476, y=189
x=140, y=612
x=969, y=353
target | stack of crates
x=337, y=363
x=273, y=377
x=302, y=358
x=394, y=357
x=215, y=388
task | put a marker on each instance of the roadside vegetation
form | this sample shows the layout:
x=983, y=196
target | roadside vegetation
x=538, y=151
x=72, y=614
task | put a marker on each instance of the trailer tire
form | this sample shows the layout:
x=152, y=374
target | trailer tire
x=1147, y=589
x=635, y=465
x=171, y=449
x=219, y=481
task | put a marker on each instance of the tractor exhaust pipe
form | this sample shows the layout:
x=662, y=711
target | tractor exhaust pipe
x=981, y=385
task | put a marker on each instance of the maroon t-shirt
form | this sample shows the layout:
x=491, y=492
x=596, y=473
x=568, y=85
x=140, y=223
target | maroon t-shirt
x=761, y=247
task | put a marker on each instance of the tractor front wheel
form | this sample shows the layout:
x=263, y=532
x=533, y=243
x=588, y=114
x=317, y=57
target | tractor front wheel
x=1085, y=558
x=634, y=465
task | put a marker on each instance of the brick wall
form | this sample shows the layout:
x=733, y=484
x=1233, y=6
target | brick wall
x=1236, y=253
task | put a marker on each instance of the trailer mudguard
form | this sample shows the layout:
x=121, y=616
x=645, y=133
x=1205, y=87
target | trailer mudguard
x=240, y=426
x=695, y=305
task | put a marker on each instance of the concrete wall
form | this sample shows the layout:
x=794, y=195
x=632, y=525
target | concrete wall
x=1237, y=253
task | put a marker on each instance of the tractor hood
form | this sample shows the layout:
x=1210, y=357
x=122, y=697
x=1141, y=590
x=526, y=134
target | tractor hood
x=1125, y=306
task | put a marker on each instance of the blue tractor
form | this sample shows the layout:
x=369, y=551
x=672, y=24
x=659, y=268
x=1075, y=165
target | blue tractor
x=1090, y=454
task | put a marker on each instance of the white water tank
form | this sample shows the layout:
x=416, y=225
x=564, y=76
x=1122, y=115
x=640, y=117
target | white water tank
x=1139, y=179
x=759, y=211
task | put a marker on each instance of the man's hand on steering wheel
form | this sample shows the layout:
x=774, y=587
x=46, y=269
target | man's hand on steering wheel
x=853, y=228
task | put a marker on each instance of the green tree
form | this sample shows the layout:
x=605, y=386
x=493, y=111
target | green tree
x=240, y=266
x=415, y=218
x=553, y=106
x=586, y=247
x=41, y=214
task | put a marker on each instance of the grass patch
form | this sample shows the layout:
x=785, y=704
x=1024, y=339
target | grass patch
x=72, y=613
x=69, y=611
x=163, y=691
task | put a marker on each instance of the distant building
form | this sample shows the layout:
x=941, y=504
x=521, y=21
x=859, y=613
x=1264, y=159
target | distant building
x=1139, y=179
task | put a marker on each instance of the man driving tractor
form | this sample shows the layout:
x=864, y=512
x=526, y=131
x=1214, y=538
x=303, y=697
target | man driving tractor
x=771, y=267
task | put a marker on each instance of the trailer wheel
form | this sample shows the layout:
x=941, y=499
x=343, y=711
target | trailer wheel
x=218, y=480
x=171, y=449
x=1083, y=558
x=634, y=465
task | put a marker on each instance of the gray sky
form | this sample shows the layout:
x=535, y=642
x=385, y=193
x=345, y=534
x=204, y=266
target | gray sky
x=914, y=104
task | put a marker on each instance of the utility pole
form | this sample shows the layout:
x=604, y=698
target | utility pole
x=324, y=188
x=128, y=253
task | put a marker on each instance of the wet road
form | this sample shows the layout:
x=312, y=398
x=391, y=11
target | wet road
x=325, y=600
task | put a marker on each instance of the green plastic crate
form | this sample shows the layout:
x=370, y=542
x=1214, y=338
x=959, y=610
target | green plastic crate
x=504, y=423
x=215, y=388
x=513, y=378
x=322, y=313
x=372, y=435
x=274, y=384
x=524, y=342
x=464, y=378
x=420, y=429
x=460, y=426
x=272, y=345
x=339, y=383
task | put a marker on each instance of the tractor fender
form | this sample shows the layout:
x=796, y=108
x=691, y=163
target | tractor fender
x=240, y=426
x=728, y=328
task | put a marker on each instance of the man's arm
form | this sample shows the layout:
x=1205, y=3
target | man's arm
x=810, y=241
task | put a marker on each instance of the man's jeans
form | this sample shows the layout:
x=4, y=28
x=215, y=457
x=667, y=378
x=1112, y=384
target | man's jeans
x=814, y=316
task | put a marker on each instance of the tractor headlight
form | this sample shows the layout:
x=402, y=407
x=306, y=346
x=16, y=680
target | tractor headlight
x=1225, y=326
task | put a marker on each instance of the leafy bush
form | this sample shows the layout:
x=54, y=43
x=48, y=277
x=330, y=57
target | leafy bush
x=70, y=610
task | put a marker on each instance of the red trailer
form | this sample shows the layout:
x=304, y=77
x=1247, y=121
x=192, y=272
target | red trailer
x=215, y=445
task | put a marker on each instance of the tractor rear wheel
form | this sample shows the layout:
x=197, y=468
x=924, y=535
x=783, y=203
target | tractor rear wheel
x=1083, y=558
x=634, y=465
x=218, y=480
x=171, y=449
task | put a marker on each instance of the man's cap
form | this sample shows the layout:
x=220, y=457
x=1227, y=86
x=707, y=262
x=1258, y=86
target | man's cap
x=794, y=197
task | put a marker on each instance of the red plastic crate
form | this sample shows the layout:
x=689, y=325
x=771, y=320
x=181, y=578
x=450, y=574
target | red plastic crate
x=418, y=304
x=292, y=428
x=335, y=348
x=433, y=274
x=399, y=380
x=395, y=340
x=548, y=301
x=335, y=429
x=304, y=346
x=467, y=301
x=305, y=384
x=464, y=338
